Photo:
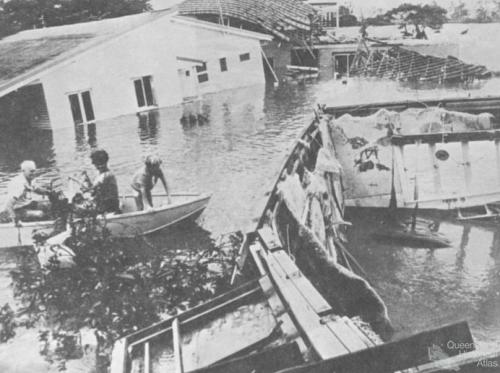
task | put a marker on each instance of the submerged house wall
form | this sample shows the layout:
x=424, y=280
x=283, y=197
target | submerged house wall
x=157, y=52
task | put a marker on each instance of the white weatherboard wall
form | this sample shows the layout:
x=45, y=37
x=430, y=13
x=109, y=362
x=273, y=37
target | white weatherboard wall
x=108, y=70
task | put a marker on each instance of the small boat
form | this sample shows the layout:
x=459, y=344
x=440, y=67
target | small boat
x=406, y=236
x=129, y=223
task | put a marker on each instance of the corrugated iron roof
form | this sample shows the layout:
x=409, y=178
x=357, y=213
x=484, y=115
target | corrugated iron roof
x=278, y=17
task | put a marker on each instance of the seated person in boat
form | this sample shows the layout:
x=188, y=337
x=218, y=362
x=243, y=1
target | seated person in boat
x=19, y=205
x=144, y=181
x=104, y=189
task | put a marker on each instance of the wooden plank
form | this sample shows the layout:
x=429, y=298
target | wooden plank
x=241, y=259
x=176, y=334
x=435, y=168
x=426, y=138
x=497, y=155
x=269, y=239
x=147, y=358
x=471, y=361
x=360, y=333
x=119, y=356
x=467, y=166
x=322, y=340
x=303, y=285
x=270, y=360
x=255, y=247
x=393, y=356
x=279, y=311
x=399, y=163
x=345, y=334
x=240, y=294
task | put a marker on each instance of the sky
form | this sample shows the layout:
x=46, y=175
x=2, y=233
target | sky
x=364, y=8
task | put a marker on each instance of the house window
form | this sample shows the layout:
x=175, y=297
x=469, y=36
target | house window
x=202, y=72
x=244, y=57
x=223, y=64
x=144, y=91
x=81, y=107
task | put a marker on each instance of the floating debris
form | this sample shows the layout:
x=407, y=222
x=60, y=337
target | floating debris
x=399, y=63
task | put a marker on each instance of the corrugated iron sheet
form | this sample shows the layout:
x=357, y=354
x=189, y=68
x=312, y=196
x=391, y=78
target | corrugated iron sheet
x=282, y=18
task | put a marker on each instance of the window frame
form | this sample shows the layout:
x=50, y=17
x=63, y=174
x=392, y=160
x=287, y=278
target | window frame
x=244, y=57
x=223, y=64
x=144, y=92
x=86, y=112
x=202, y=73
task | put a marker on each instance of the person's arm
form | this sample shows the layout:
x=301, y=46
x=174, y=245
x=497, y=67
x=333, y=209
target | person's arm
x=147, y=199
x=12, y=213
x=41, y=190
x=86, y=184
x=165, y=185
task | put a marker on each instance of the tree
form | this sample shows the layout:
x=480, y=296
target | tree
x=482, y=14
x=378, y=20
x=346, y=18
x=419, y=16
x=18, y=15
x=460, y=13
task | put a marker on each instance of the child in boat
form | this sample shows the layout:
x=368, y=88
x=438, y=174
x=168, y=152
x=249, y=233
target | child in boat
x=144, y=181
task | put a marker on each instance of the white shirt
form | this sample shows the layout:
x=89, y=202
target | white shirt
x=18, y=192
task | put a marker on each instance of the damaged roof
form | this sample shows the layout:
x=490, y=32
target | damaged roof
x=278, y=17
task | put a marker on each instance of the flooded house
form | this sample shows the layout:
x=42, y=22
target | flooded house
x=306, y=34
x=81, y=73
x=289, y=22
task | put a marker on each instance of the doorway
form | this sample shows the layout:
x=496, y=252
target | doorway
x=342, y=63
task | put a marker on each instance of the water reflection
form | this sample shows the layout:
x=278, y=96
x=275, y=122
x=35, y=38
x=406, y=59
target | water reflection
x=86, y=134
x=424, y=288
x=148, y=126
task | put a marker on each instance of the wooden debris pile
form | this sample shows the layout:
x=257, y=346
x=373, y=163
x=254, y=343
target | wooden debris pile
x=406, y=65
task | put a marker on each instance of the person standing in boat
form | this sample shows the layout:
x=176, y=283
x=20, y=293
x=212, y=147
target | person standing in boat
x=144, y=181
x=19, y=205
x=104, y=188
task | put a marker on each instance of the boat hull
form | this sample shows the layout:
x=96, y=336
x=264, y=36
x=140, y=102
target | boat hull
x=130, y=223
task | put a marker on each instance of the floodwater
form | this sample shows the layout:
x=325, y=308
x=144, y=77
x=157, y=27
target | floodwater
x=236, y=155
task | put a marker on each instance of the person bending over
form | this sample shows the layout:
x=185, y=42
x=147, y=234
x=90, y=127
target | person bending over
x=144, y=181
